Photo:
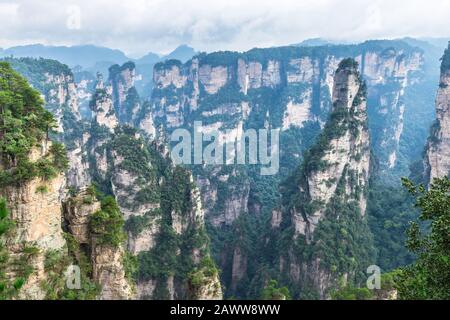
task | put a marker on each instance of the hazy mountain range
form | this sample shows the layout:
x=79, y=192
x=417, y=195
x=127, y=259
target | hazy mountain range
x=87, y=56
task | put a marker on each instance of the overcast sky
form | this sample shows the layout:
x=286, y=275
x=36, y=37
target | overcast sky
x=139, y=26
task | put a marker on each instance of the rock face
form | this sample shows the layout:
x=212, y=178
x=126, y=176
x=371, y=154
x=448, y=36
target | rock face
x=109, y=273
x=35, y=207
x=103, y=107
x=107, y=260
x=78, y=211
x=125, y=96
x=438, y=150
x=280, y=88
x=388, y=76
x=159, y=203
x=346, y=159
x=328, y=194
x=143, y=181
x=224, y=95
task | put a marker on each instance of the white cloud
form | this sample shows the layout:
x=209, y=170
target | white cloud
x=139, y=26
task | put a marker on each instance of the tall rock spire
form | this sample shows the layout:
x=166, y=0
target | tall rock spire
x=438, y=149
x=338, y=164
x=102, y=105
x=325, y=200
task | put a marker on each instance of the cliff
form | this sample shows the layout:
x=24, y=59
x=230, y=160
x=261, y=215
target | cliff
x=287, y=88
x=35, y=208
x=103, y=247
x=126, y=98
x=61, y=95
x=158, y=202
x=324, y=203
x=37, y=253
x=437, y=159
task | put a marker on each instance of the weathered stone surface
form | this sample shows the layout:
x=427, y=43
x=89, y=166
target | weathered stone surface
x=437, y=158
x=213, y=78
x=78, y=211
x=108, y=271
x=35, y=207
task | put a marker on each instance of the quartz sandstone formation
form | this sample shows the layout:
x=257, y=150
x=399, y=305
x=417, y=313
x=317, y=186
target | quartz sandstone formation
x=334, y=176
x=437, y=158
x=37, y=216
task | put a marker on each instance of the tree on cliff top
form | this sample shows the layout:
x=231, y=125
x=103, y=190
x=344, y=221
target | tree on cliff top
x=24, y=124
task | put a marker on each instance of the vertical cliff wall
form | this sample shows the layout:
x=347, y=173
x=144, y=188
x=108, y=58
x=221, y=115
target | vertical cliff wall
x=437, y=159
x=324, y=203
x=287, y=88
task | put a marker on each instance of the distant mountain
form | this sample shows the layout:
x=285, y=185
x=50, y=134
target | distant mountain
x=182, y=53
x=93, y=57
x=86, y=55
x=440, y=43
x=315, y=42
x=144, y=66
x=149, y=58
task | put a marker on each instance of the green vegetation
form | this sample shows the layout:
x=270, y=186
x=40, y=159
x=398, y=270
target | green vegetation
x=10, y=287
x=56, y=265
x=136, y=224
x=24, y=125
x=7, y=287
x=348, y=63
x=167, y=64
x=273, y=292
x=429, y=277
x=131, y=266
x=172, y=253
x=389, y=210
x=386, y=292
x=35, y=70
x=352, y=293
x=107, y=223
x=43, y=189
x=203, y=275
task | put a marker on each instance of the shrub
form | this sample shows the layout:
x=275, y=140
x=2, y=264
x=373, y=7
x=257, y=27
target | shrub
x=108, y=223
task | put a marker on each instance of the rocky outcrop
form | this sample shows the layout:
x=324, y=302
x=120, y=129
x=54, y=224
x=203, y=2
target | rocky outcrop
x=239, y=268
x=299, y=80
x=62, y=95
x=107, y=260
x=103, y=107
x=35, y=208
x=109, y=272
x=125, y=96
x=78, y=172
x=437, y=158
x=78, y=210
x=145, y=185
x=346, y=159
x=286, y=88
x=330, y=191
x=204, y=283
x=388, y=76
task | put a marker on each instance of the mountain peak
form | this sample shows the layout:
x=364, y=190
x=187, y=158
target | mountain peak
x=182, y=53
x=348, y=64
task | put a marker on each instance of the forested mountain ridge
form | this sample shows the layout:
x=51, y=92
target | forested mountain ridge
x=288, y=88
x=132, y=236
x=140, y=227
